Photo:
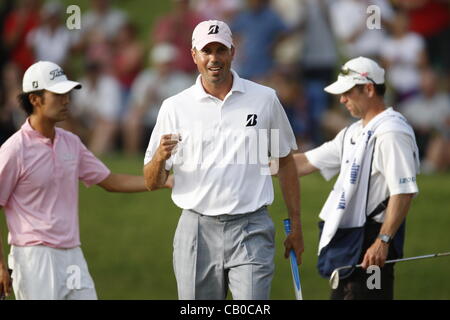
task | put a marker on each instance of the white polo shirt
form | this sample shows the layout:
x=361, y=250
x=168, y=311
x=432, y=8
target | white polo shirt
x=393, y=166
x=221, y=165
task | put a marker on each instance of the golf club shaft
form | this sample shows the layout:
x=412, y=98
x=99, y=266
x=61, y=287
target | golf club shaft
x=435, y=255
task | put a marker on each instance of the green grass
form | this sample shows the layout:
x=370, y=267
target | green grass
x=127, y=240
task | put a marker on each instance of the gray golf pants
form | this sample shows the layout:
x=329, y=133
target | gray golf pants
x=212, y=254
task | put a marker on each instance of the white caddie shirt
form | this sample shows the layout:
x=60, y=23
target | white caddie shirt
x=393, y=165
x=221, y=163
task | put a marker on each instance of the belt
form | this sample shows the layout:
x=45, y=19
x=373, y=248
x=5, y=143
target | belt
x=229, y=217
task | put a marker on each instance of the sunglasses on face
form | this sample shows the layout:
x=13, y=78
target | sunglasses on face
x=346, y=70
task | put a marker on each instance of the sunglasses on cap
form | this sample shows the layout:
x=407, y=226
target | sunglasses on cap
x=346, y=70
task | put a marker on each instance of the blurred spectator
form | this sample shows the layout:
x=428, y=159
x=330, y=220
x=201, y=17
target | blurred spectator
x=103, y=18
x=289, y=48
x=96, y=108
x=100, y=25
x=256, y=30
x=128, y=60
x=349, y=21
x=11, y=114
x=318, y=62
x=431, y=19
x=5, y=8
x=223, y=10
x=17, y=25
x=51, y=41
x=289, y=91
x=429, y=114
x=403, y=55
x=176, y=28
x=149, y=90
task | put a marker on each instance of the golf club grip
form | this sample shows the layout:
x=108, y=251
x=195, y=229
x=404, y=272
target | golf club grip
x=294, y=264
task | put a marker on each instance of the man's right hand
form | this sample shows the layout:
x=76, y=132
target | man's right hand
x=167, y=146
x=5, y=281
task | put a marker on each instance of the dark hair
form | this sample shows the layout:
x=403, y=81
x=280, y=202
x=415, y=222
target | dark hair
x=380, y=89
x=24, y=100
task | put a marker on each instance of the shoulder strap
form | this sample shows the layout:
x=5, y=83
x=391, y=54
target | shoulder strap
x=383, y=205
x=343, y=143
x=380, y=208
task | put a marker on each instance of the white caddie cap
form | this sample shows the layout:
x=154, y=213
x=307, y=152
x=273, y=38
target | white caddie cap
x=46, y=75
x=211, y=31
x=360, y=70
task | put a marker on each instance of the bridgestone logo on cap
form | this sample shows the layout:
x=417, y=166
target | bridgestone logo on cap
x=214, y=29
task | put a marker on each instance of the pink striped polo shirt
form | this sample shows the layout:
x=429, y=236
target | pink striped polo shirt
x=39, y=186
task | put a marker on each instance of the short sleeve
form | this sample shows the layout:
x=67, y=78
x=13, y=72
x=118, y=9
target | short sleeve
x=286, y=142
x=327, y=157
x=10, y=168
x=91, y=170
x=164, y=125
x=396, y=160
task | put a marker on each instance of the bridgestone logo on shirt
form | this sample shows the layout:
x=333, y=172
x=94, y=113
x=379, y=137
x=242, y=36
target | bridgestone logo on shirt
x=251, y=120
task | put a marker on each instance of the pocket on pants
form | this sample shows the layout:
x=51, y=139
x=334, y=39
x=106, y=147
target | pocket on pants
x=259, y=238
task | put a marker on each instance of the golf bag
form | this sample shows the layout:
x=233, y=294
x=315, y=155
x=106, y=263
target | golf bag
x=346, y=246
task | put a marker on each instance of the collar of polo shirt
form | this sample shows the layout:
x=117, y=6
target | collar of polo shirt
x=238, y=86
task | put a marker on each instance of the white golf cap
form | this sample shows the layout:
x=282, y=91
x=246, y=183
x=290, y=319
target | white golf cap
x=46, y=75
x=360, y=70
x=211, y=31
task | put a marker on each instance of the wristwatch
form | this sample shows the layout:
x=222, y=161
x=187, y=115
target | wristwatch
x=385, y=238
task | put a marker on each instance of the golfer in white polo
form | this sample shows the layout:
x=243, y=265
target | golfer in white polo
x=216, y=136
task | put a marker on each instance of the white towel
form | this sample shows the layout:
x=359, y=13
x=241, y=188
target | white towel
x=352, y=183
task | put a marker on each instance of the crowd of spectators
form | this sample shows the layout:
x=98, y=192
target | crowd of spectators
x=294, y=46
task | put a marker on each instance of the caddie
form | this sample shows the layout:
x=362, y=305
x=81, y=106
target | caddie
x=377, y=161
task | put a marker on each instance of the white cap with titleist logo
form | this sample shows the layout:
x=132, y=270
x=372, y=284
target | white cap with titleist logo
x=211, y=31
x=360, y=70
x=46, y=75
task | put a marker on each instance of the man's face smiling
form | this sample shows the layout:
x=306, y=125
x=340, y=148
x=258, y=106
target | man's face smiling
x=214, y=62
